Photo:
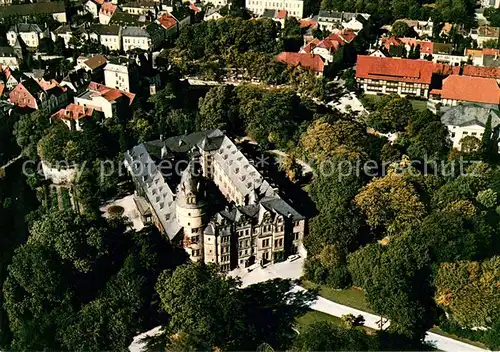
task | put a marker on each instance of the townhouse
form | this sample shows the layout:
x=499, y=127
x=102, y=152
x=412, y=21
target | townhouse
x=107, y=11
x=146, y=38
x=38, y=95
x=8, y=57
x=73, y=116
x=30, y=34
x=110, y=101
x=121, y=73
x=333, y=20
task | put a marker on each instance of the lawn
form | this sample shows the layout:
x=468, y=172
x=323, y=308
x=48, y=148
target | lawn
x=419, y=105
x=351, y=297
x=313, y=316
x=355, y=298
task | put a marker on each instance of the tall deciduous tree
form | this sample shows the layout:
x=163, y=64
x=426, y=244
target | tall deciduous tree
x=470, y=291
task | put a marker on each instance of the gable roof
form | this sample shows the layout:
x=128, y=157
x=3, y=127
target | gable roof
x=468, y=114
x=167, y=21
x=108, y=93
x=312, y=62
x=488, y=32
x=96, y=61
x=479, y=71
x=135, y=32
x=473, y=89
x=390, y=69
x=73, y=112
x=108, y=9
x=25, y=28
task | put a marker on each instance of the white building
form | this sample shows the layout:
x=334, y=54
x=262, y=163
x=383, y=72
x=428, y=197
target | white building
x=109, y=35
x=108, y=100
x=63, y=32
x=140, y=7
x=333, y=20
x=93, y=7
x=212, y=13
x=29, y=33
x=490, y=3
x=295, y=8
x=122, y=74
x=468, y=120
x=145, y=38
x=8, y=58
x=216, y=3
x=106, y=12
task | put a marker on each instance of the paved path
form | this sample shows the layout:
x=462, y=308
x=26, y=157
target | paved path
x=293, y=270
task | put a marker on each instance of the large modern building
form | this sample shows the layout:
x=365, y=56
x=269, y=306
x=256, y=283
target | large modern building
x=256, y=226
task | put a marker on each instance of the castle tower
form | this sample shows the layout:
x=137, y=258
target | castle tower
x=189, y=202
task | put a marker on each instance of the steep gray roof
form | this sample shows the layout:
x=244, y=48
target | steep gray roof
x=25, y=28
x=135, y=32
x=6, y=51
x=470, y=114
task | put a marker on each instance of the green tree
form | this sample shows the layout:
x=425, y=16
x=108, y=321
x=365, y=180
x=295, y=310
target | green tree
x=211, y=310
x=469, y=291
x=391, y=204
x=28, y=130
x=324, y=336
x=400, y=29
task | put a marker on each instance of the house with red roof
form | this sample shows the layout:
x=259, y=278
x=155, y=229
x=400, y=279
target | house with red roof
x=111, y=101
x=45, y=96
x=394, y=76
x=460, y=89
x=107, y=11
x=310, y=62
x=73, y=115
x=276, y=15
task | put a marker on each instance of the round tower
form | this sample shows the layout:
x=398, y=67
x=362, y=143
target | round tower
x=190, y=212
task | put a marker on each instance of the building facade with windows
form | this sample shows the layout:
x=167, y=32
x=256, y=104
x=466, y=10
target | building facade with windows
x=469, y=120
x=121, y=73
x=295, y=8
x=256, y=226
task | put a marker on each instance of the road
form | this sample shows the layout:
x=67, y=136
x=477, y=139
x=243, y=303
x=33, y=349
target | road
x=293, y=270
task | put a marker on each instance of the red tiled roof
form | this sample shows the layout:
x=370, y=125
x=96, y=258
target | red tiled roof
x=46, y=85
x=426, y=47
x=2, y=87
x=73, y=112
x=100, y=2
x=347, y=35
x=281, y=14
x=108, y=93
x=388, y=42
x=488, y=51
x=308, y=22
x=193, y=7
x=313, y=62
x=390, y=69
x=488, y=32
x=167, y=21
x=472, y=89
x=108, y=9
x=479, y=71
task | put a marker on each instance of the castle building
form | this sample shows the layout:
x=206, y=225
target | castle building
x=256, y=225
